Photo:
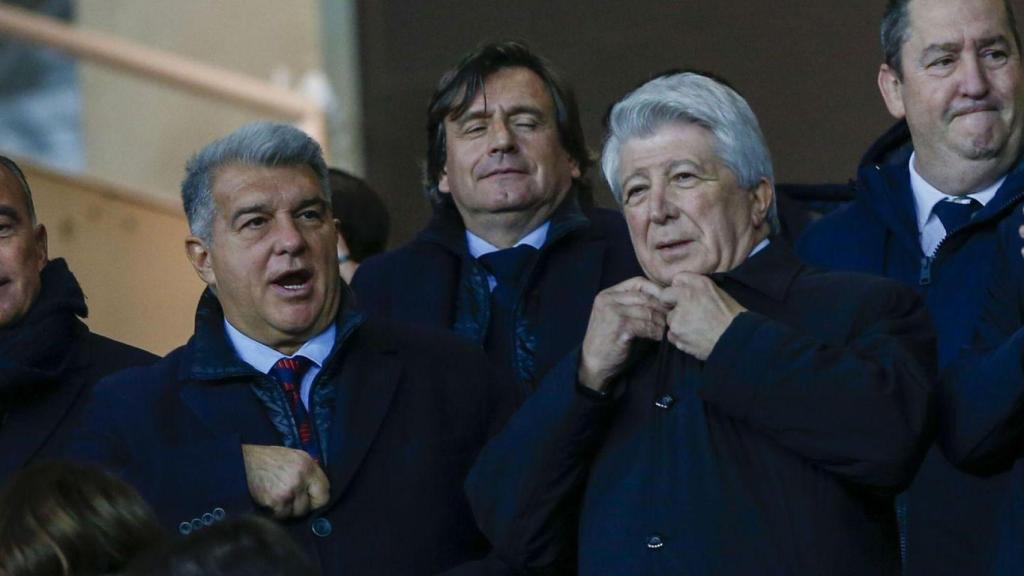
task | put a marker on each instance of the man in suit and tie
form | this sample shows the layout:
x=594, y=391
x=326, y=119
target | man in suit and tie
x=514, y=253
x=355, y=434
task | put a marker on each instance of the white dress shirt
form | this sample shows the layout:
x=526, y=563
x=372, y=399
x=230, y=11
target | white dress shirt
x=478, y=246
x=263, y=357
x=929, y=227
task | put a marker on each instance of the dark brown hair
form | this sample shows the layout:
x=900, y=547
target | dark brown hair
x=64, y=518
x=459, y=86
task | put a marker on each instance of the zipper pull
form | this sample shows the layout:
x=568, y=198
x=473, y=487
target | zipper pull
x=926, y=271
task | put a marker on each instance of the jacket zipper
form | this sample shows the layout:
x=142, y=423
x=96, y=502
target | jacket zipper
x=925, y=277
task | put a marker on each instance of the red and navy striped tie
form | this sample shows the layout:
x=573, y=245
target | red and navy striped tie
x=288, y=372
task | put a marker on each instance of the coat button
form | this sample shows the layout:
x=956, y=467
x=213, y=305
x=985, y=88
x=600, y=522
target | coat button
x=322, y=527
x=655, y=542
x=197, y=524
x=665, y=402
x=219, y=514
x=185, y=528
x=207, y=519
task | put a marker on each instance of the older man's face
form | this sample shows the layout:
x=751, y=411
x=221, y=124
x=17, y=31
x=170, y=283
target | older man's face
x=684, y=208
x=504, y=154
x=961, y=85
x=22, y=252
x=271, y=261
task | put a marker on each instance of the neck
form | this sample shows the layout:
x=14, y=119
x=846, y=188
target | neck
x=958, y=177
x=745, y=246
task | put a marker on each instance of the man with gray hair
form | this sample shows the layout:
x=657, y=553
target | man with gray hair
x=731, y=412
x=931, y=197
x=288, y=401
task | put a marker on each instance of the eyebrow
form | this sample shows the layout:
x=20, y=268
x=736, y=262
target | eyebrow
x=957, y=46
x=9, y=212
x=260, y=208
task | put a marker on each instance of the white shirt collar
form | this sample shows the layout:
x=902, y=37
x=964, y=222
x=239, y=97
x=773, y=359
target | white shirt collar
x=760, y=246
x=263, y=357
x=927, y=196
x=478, y=246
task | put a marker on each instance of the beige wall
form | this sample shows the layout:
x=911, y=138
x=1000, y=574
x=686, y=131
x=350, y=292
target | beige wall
x=139, y=134
x=127, y=253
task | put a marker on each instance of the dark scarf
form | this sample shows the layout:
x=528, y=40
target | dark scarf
x=35, y=350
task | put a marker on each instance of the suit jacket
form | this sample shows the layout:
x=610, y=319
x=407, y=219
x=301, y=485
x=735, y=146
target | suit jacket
x=411, y=411
x=419, y=283
x=778, y=455
x=52, y=364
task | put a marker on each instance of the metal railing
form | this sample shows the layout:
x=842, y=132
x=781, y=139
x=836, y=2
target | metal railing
x=166, y=67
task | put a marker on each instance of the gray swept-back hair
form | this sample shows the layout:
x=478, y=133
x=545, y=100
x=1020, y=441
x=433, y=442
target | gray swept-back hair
x=256, y=144
x=15, y=170
x=895, y=31
x=691, y=98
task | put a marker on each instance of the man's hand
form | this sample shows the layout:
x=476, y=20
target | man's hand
x=621, y=314
x=286, y=481
x=699, y=313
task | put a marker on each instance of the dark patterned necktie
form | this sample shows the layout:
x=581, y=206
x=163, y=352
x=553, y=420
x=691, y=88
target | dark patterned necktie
x=955, y=215
x=288, y=373
x=509, y=268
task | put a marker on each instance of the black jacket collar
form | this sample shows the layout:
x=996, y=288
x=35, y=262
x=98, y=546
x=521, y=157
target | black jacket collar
x=770, y=272
x=213, y=356
x=36, y=350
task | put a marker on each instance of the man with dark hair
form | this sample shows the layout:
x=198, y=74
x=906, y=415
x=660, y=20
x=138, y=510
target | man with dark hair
x=49, y=360
x=286, y=400
x=931, y=196
x=514, y=253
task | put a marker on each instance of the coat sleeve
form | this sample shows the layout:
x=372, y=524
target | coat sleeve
x=860, y=408
x=981, y=398
x=525, y=486
x=121, y=431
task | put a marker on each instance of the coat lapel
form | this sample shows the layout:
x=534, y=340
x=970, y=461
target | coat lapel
x=430, y=303
x=26, y=429
x=571, y=279
x=230, y=407
x=368, y=387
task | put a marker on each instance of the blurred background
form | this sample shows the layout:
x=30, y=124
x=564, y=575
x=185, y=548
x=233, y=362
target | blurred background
x=104, y=116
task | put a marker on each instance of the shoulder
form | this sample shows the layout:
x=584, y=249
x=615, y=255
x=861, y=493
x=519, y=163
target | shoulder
x=862, y=291
x=835, y=233
x=414, y=255
x=114, y=353
x=425, y=353
x=143, y=381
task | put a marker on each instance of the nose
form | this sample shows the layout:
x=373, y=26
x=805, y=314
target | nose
x=660, y=207
x=288, y=238
x=974, y=82
x=502, y=139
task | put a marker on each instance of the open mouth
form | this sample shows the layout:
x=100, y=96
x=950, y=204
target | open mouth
x=295, y=281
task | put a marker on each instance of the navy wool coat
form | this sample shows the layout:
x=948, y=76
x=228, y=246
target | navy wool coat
x=411, y=411
x=778, y=455
x=949, y=517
